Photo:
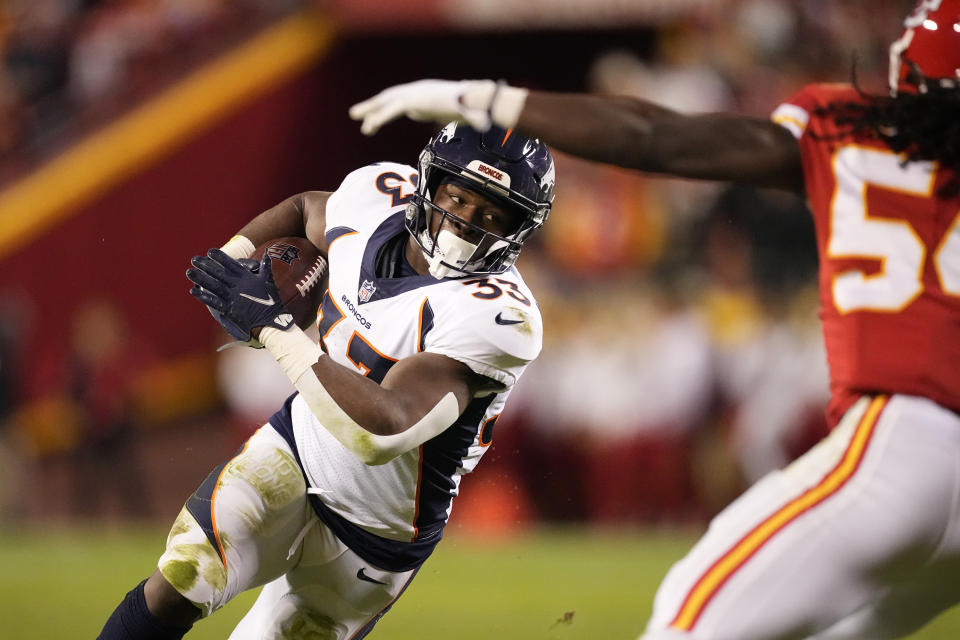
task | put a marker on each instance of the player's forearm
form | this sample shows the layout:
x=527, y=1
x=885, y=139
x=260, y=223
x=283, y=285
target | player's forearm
x=368, y=404
x=373, y=407
x=284, y=219
x=374, y=448
x=366, y=418
x=302, y=215
x=637, y=134
x=614, y=130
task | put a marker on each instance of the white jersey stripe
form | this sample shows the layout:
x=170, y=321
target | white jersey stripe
x=792, y=117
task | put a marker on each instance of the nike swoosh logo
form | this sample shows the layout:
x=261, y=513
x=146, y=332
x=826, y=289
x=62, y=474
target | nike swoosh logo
x=363, y=576
x=264, y=301
x=501, y=320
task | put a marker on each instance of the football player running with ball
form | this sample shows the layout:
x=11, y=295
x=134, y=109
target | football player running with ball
x=860, y=537
x=336, y=503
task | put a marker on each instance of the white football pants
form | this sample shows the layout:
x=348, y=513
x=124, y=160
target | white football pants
x=251, y=524
x=859, y=538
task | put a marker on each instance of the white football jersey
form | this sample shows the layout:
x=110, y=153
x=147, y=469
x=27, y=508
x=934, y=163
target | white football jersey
x=490, y=323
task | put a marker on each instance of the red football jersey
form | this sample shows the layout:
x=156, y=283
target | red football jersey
x=889, y=259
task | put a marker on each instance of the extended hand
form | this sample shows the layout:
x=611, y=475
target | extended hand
x=424, y=100
x=240, y=298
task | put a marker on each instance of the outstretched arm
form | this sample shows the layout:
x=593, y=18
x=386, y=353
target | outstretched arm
x=623, y=131
x=637, y=134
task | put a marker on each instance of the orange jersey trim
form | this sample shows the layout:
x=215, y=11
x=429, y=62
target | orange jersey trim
x=723, y=569
x=420, y=326
x=213, y=502
x=343, y=235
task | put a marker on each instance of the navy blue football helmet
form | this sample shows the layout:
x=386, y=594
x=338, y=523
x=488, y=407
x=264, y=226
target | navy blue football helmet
x=503, y=165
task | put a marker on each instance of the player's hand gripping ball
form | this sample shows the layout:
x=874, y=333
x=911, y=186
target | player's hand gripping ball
x=283, y=288
x=300, y=274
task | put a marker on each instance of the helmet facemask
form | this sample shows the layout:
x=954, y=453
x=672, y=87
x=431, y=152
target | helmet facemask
x=453, y=246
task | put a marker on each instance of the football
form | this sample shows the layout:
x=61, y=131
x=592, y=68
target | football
x=300, y=273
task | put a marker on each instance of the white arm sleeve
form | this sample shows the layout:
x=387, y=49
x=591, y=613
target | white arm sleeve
x=296, y=353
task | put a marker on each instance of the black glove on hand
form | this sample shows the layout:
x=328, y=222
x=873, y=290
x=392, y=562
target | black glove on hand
x=240, y=298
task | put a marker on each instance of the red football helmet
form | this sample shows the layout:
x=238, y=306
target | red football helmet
x=929, y=48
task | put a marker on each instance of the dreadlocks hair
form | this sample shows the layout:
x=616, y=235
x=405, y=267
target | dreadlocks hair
x=922, y=125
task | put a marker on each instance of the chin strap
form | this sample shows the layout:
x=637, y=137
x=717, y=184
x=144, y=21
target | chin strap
x=452, y=250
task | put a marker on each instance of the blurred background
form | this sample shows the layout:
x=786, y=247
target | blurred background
x=682, y=356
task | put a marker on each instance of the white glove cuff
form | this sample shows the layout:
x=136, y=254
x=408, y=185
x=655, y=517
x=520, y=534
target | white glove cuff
x=238, y=247
x=500, y=102
x=506, y=105
x=295, y=351
x=476, y=95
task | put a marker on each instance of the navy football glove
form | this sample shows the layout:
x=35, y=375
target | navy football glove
x=240, y=298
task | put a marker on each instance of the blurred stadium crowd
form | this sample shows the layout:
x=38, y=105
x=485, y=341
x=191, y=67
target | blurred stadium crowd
x=69, y=64
x=682, y=353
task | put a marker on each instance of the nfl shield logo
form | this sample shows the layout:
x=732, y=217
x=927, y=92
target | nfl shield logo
x=366, y=290
x=283, y=251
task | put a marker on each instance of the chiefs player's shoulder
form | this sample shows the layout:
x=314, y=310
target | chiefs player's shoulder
x=797, y=112
x=812, y=96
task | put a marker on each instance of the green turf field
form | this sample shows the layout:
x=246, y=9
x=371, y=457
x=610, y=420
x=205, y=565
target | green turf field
x=544, y=586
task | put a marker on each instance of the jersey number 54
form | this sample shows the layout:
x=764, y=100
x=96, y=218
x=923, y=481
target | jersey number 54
x=854, y=233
